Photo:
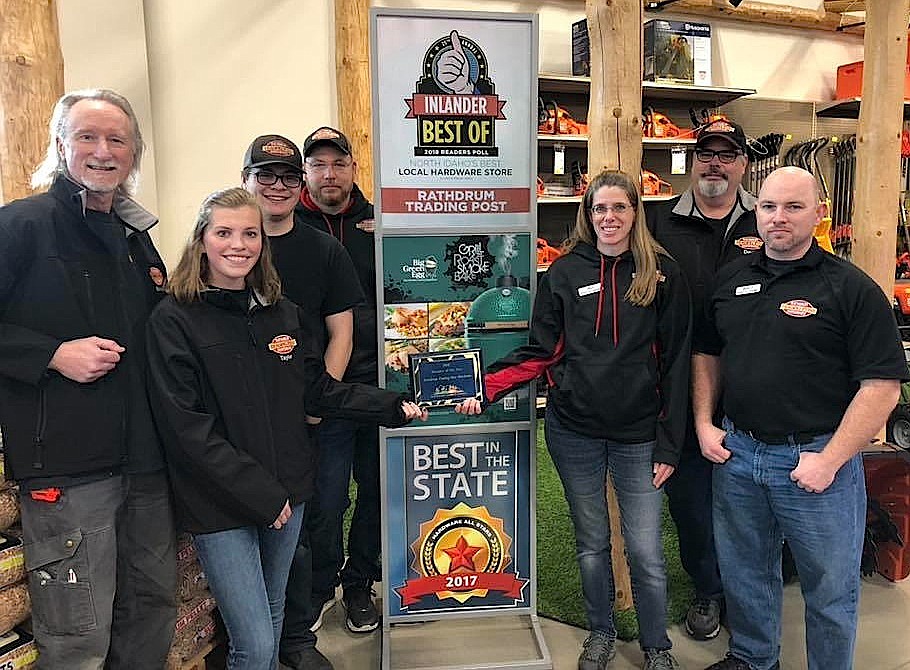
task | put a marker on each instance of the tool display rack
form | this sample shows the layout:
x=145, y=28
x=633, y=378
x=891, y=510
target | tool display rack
x=556, y=215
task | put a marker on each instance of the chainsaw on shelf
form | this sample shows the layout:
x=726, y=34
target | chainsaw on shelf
x=555, y=120
x=651, y=184
x=658, y=125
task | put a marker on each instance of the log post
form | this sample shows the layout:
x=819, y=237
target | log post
x=614, y=123
x=352, y=79
x=31, y=81
x=878, y=141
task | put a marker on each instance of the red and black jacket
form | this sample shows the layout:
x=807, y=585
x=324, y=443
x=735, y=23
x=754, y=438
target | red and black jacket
x=615, y=370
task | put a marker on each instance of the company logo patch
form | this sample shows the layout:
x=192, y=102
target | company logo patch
x=798, y=308
x=719, y=126
x=156, y=275
x=748, y=244
x=277, y=148
x=367, y=225
x=283, y=345
x=324, y=134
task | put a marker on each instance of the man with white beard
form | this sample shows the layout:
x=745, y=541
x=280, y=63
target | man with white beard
x=707, y=226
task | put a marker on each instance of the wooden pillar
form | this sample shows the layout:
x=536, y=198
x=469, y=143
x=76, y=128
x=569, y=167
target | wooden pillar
x=878, y=141
x=31, y=81
x=352, y=79
x=614, y=122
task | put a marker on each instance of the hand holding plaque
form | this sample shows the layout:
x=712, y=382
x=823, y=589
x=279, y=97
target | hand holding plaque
x=446, y=379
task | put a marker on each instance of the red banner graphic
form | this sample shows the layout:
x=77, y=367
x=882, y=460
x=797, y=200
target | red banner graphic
x=507, y=583
x=455, y=105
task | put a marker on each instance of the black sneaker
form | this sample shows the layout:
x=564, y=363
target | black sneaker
x=306, y=659
x=732, y=663
x=703, y=619
x=363, y=616
x=327, y=604
x=599, y=649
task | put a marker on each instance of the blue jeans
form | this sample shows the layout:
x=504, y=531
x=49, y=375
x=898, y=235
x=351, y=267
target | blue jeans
x=756, y=508
x=247, y=570
x=582, y=464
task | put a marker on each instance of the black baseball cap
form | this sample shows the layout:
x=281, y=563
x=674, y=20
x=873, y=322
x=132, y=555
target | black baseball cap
x=271, y=149
x=326, y=135
x=724, y=129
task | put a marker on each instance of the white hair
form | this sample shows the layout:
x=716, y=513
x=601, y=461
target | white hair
x=54, y=163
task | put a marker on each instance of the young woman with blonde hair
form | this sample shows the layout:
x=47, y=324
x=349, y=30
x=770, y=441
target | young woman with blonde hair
x=234, y=372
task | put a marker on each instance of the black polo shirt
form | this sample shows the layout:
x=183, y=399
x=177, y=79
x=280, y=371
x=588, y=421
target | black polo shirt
x=796, y=338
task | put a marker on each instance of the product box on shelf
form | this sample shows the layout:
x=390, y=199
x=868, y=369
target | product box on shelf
x=581, y=49
x=677, y=52
x=850, y=81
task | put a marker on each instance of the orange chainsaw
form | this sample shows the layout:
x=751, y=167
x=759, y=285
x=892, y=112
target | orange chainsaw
x=651, y=184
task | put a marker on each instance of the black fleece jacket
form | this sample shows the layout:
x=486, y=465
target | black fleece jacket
x=230, y=385
x=615, y=370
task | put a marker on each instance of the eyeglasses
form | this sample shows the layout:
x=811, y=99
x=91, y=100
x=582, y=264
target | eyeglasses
x=320, y=166
x=289, y=179
x=725, y=156
x=618, y=208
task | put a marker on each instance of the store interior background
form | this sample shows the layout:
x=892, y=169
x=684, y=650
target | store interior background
x=206, y=77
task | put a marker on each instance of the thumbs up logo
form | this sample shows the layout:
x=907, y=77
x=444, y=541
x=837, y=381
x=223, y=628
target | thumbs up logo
x=455, y=102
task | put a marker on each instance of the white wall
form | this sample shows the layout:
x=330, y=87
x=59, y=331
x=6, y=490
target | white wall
x=207, y=76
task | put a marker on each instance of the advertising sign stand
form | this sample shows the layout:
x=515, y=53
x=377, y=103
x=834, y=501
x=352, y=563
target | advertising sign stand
x=454, y=128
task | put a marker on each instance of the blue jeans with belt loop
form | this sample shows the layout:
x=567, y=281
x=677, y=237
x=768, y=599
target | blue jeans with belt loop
x=756, y=508
x=582, y=463
x=247, y=570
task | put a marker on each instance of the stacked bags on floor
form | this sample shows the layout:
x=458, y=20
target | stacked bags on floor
x=197, y=621
x=17, y=647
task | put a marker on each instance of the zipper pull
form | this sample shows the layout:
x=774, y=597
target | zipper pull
x=249, y=324
x=38, y=463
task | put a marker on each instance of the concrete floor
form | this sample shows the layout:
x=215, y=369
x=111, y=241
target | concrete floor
x=883, y=641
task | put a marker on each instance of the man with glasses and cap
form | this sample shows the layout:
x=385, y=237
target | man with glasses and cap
x=332, y=203
x=710, y=224
x=316, y=273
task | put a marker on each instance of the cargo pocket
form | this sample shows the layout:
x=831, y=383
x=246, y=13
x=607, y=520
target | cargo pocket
x=61, y=596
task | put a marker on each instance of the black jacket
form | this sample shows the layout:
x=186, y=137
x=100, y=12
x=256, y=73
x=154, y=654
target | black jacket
x=696, y=245
x=64, y=276
x=615, y=370
x=230, y=386
x=354, y=229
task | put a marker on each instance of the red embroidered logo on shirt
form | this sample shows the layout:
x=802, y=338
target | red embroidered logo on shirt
x=748, y=244
x=798, y=308
x=282, y=344
x=157, y=276
x=367, y=225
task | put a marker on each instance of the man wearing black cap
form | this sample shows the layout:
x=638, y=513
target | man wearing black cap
x=707, y=226
x=332, y=203
x=316, y=273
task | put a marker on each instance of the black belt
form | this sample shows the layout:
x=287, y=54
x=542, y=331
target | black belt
x=798, y=437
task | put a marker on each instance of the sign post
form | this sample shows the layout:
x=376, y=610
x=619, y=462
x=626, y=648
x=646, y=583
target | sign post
x=454, y=100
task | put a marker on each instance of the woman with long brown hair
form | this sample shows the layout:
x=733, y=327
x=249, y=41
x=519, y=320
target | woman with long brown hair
x=610, y=331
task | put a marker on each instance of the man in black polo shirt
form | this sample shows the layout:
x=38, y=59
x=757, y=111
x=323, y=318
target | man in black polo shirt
x=710, y=224
x=316, y=273
x=804, y=350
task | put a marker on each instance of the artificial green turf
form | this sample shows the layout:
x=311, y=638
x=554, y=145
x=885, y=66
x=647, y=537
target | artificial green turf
x=558, y=580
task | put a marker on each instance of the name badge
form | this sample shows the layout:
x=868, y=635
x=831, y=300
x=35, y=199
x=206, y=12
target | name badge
x=589, y=289
x=747, y=289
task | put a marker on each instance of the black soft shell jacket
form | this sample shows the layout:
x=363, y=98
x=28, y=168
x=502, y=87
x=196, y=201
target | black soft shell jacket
x=56, y=275
x=230, y=387
x=615, y=370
